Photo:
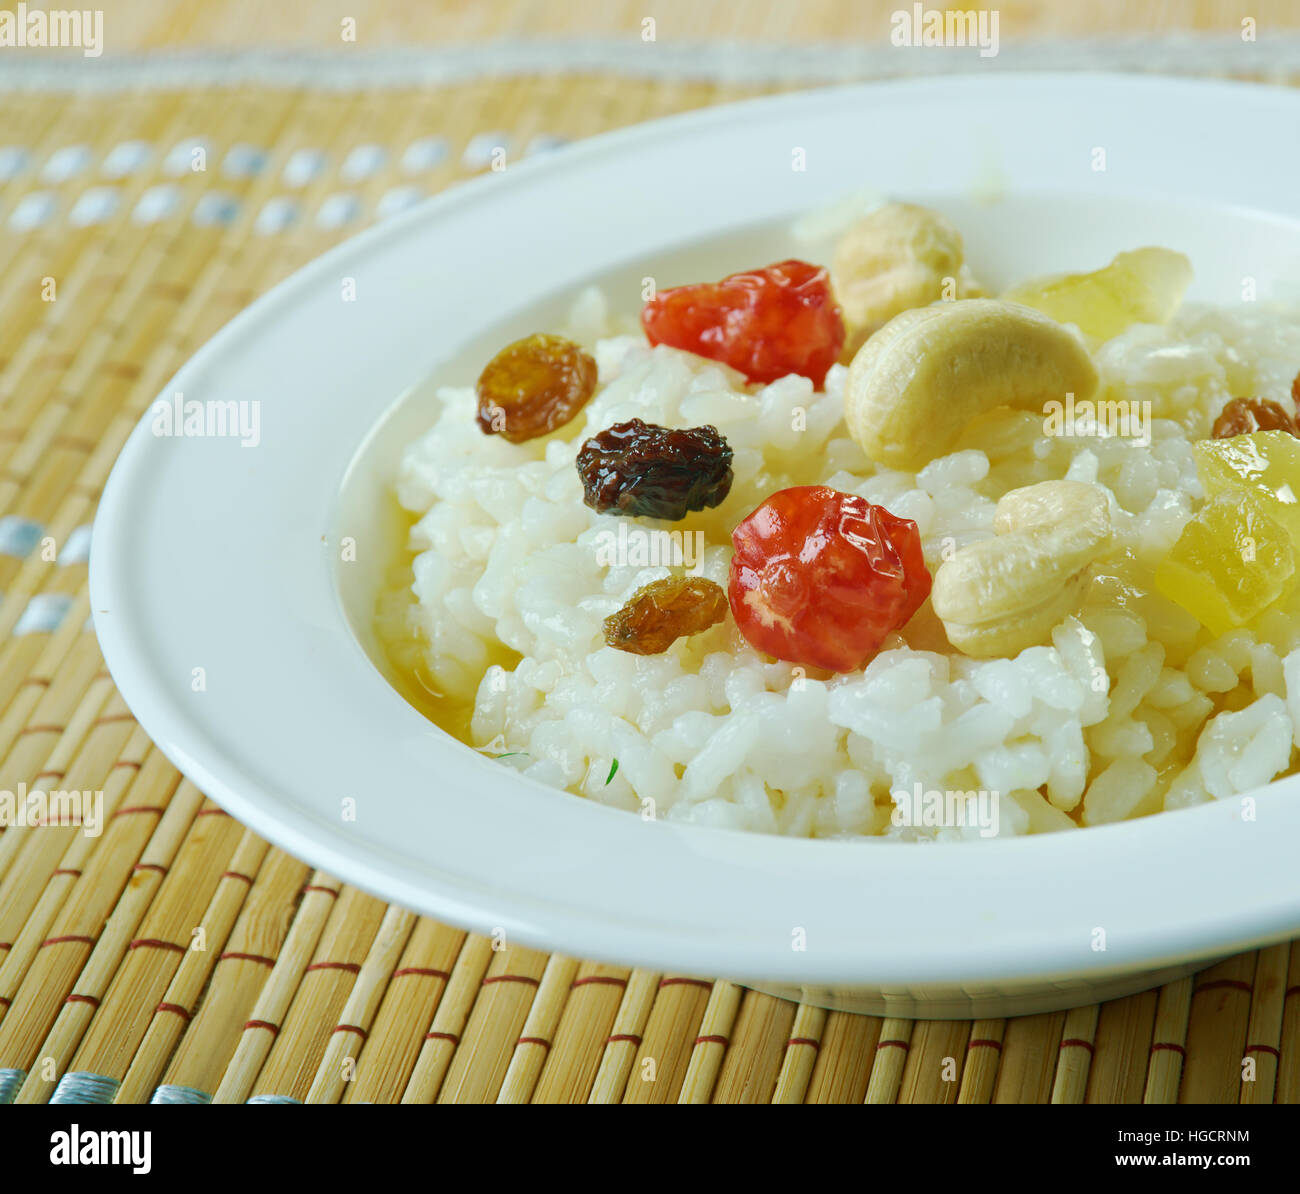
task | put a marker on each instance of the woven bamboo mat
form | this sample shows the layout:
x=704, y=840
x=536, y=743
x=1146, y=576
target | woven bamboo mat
x=179, y=957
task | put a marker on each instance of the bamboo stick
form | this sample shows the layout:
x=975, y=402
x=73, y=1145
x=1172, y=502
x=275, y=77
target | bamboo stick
x=211, y=1038
x=346, y=1042
x=1165, y=1068
x=983, y=1059
x=84, y=853
x=625, y=1037
x=1031, y=1047
x=569, y=1070
x=1216, y=1032
x=44, y=984
x=801, y=1052
x=932, y=1072
x=894, y=1041
x=661, y=1062
x=752, y=1064
x=58, y=1048
x=449, y=1020
x=1288, y=1066
x=181, y=998
x=538, y=1033
x=260, y=1030
x=1264, y=1034
x=845, y=1059
x=711, y=1044
x=495, y=1024
x=1074, y=1063
x=323, y=990
x=414, y=993
x=1121, y=1050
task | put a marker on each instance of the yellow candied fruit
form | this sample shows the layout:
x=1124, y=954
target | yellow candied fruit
x=1141, y=286
x=1266, y=463
x=1231, y=562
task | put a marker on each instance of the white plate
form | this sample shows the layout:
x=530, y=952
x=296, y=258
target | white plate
x=210, y=555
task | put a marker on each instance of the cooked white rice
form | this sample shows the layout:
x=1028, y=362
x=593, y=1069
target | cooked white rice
x=1132, y=709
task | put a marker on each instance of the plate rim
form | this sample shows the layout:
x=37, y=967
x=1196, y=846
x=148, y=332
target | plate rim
x=672, y=948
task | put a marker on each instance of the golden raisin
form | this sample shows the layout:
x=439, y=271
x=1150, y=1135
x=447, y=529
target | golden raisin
x=533, y=386
x=1243, y=416
x=660, y=613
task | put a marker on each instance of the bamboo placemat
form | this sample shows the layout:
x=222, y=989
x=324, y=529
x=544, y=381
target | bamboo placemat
x=179, y=957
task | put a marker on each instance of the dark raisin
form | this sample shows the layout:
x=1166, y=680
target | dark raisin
x=660, y=613
x=1242, y=416
x=649, y=471
x=533, y=386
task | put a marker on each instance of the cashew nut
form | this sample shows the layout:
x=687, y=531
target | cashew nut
x=1000, y=595
x=918, y=381
x=894, y=258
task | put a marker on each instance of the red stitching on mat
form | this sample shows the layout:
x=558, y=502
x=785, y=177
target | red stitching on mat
x=40, y=775
x=1076, y=1042
x=126, y=763
x=904, y=1045
x=1171, y=1046
x=110, y=718
x=327, y=890
x=1264, y=1049
x=155, y=943
x=237, y=957
x=139, y=808
x=237, y=875
x=510, y=978
x=712, y=1040
x=686, y=982
x=39, y=681
x=423, y=971
x=350, y=967
x=442, y=1036
x=1233, y=983
x=630, y=1037
x=41, y=729
x=361, y=1032
x=65, y=870
x=175, y=1007
x=6, y=945
x=533, y=1040
x=90, y=999
x=804, y=1040
x=6, y=1000
x=601, y=979
x=273, y=1029
x=1291, y=991
x=149, y=866
x=980, y=1043
x=69, y=940
x=212, y=812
